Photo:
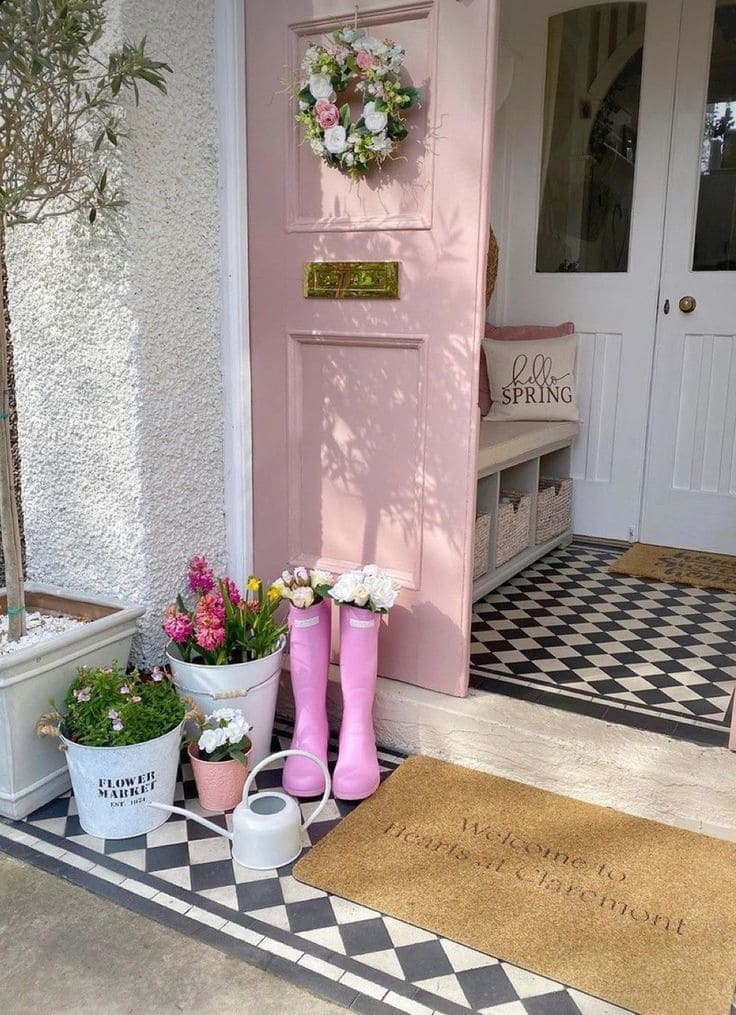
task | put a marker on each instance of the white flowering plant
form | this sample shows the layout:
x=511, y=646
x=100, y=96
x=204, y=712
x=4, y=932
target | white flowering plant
x=303, y=588
x=368, y=587
x=350, y=58
x=223, y=736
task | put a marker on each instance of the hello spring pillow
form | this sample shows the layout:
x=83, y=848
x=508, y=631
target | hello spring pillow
x=533, y=380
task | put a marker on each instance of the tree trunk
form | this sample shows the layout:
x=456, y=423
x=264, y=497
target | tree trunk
x=9, y=521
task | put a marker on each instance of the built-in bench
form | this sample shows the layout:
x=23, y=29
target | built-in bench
x=512, y=457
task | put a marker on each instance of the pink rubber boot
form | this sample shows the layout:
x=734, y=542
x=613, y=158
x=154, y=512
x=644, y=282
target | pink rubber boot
x=309, y=655
x=356, y=773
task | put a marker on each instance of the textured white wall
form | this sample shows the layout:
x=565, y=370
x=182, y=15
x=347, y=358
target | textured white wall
x=116, y=333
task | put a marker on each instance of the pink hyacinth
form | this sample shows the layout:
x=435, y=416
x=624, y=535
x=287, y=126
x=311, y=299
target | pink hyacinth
x=209, y=638
x=201, y=575
x=178, y=626
x=210, y=610
x=232, y=590
x=209, y=617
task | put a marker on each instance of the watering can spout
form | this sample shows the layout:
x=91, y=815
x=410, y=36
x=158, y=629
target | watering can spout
x=194, y=817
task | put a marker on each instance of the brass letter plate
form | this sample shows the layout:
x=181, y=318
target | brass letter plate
x=351, y=280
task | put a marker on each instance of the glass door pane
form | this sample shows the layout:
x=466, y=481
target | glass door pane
x=591, y=117
x=715, y=231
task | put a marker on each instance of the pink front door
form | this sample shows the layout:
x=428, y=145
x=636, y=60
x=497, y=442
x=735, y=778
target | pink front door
x=364, y=412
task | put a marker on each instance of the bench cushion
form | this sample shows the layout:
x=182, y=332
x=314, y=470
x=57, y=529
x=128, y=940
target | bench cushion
x=502, y=442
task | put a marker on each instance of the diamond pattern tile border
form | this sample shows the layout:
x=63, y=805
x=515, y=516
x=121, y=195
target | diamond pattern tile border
x=567, y=633
x=181, y=874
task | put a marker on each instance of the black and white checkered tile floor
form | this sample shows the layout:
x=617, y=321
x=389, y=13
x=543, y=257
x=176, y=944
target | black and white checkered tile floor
x=182, y=874
x=567, y=633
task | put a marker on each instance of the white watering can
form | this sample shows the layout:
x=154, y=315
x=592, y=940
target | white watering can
x=267, y=828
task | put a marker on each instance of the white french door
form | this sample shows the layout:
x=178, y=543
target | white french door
x=585, y=147
x=584, y=200
x=690, y=487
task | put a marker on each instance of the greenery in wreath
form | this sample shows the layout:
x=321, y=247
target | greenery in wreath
x=349, y=57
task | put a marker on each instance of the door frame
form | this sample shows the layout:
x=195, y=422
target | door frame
x=234, y=295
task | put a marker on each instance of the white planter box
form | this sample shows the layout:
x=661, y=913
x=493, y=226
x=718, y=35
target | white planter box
x=32, y=770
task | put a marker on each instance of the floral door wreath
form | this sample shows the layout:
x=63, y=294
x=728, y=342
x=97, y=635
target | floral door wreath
x=351, y=57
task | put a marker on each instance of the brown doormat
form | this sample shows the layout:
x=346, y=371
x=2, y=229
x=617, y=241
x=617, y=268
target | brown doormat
x=632, y=911
x=682, y=567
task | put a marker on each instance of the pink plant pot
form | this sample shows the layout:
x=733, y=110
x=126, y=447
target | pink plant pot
x=219, y=783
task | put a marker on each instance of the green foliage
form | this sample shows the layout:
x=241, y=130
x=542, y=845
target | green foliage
x=252, y=631
x=59, y=114
x=145, y=709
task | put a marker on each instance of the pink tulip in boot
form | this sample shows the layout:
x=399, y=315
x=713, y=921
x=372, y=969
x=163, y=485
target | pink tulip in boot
x=309, y=655
x=356, y=773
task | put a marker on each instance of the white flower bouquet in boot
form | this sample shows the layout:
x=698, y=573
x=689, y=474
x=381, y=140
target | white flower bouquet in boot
x=310, y=616
x=363, y=596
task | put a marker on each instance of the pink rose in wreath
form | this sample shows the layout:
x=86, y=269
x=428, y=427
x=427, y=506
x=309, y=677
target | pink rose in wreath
x=364, y=59
x=327, y=113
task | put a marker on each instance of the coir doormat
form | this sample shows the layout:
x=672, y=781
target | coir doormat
x=683, y=567
x=630, y=910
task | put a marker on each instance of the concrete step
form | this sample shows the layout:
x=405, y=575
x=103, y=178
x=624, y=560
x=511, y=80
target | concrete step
x=642, y=773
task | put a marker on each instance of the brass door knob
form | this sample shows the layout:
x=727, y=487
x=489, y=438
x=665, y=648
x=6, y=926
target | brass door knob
x=687, y=304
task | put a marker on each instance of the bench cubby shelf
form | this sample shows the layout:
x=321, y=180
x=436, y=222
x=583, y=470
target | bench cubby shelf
x=513, y=456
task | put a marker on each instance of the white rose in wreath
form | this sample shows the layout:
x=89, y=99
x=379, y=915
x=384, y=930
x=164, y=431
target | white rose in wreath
x=374, y=119
x=320, y=86
x=336, y=140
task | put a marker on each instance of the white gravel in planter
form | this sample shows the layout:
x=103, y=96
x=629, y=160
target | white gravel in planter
x=39, y=626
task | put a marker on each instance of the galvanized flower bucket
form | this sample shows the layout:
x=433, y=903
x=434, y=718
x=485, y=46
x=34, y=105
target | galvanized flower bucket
x=113, y=786
x=252, y=687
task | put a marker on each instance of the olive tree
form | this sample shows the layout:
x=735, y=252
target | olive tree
x=60, y=122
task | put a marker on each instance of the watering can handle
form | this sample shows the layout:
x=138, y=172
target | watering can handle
x=286, y=754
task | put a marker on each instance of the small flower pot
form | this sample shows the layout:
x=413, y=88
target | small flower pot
x=219, y=783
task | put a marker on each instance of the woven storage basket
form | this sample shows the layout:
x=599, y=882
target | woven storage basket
x=512, y=525
x=482, y=547
x=554, y=508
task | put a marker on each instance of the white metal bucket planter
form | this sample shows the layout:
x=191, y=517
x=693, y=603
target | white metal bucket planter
x=114, y=786
x=252, y=687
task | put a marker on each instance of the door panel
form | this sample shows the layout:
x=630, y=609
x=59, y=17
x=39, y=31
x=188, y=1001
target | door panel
x=317, y=199
x=364, y=412
x=614, y=307
x=690, y=498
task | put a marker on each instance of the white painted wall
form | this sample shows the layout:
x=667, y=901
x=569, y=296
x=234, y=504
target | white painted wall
x=117, y=343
